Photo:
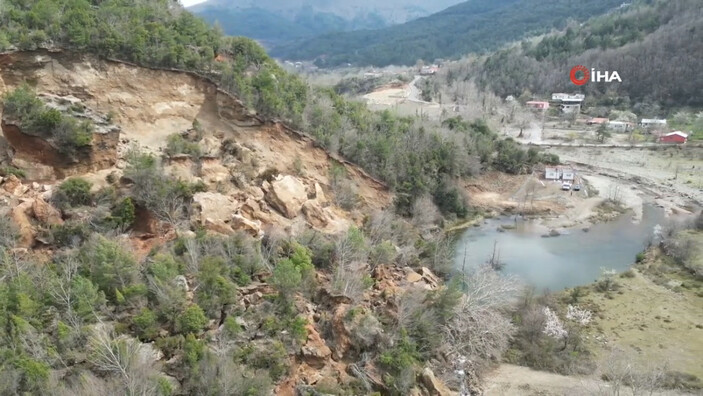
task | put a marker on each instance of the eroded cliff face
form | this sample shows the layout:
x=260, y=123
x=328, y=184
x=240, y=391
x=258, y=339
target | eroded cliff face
x=150, y=105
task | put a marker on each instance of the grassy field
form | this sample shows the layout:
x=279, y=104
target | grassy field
x=655, y=316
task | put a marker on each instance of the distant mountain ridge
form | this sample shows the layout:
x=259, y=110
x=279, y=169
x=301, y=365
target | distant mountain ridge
x=279, y=21
x=472, y=26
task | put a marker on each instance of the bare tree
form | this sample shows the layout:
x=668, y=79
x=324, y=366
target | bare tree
x=479, y=329
x=123, y=358
x=425, y=212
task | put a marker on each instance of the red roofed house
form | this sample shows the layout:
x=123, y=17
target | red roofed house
x=674, y=137
x=597, y=121
x=538, y=105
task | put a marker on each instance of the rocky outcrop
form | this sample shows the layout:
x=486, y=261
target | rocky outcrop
x=315, y=351
x=213, y=172
x=214, y=206
x=14, y=186
x=45, y=213
x=251, y=227
x=20, y=215
x=35, y=155
x=286, y=194
x=218, y=226
x=434, y=386
x=315, y=215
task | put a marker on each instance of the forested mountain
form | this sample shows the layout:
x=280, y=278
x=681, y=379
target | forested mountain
x=655, y=46
x=472, y=26
x=278, y=22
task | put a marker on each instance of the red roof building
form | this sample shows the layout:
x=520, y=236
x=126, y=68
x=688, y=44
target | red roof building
x=677, y=137
x=538, y=105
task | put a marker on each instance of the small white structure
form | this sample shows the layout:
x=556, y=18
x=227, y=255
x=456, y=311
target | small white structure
x=559, y=173
x=564, y=97
x=652, y=122
x=620, y=126
x=551, y=173
x=568, y=174
x=570, y=108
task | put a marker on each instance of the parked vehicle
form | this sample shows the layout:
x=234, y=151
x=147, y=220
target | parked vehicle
x=566, y=186
x=576, y=187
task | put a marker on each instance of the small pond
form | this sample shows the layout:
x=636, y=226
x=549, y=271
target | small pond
x=571, y=259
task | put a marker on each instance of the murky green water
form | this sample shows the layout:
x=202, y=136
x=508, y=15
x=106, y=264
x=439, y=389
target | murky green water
x=568, y=260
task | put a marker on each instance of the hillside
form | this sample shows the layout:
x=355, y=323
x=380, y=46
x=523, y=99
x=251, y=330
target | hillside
x=655, y=47
x=162, y=232
x=471, y=26
x=275, y=22
x=155, y=34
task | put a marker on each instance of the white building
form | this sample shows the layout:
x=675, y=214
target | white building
x=620, y=126
x=570, y=108
x=564, y=97
x=652, y=123
x=557, y=173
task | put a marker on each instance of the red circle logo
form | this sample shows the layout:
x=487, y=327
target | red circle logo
x=582, y=80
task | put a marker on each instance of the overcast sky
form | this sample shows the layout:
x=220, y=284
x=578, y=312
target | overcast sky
x=188, y=3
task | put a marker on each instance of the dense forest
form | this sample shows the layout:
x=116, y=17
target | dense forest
x=278, y=22
x=467, y=27
x=272, y=28
x=654, y=46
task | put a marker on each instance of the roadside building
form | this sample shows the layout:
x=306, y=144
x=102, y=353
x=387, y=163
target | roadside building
x=559, y=173
x=429, y=70
x=570, y=108
x=597, y=121
x=620, y=126
x=568, y=103
x=564, y=97
x=676, y=137
x=539, y=105
x=568, y=174
x=652, y=123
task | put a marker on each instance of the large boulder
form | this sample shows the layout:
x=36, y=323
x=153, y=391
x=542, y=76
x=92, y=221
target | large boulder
x=287, y=195
x=315, y=215
x=434, y=386
x=46, y=213
x=315, y=351
x=20, y=216
x=251, y=227
x=215, y=206
x=14, y=186
x=213, y=172
x=218, y=226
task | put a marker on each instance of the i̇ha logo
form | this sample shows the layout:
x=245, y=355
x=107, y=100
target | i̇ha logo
x=580, y=75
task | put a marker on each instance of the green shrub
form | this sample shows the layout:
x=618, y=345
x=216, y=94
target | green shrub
x=289, y=273
x=215, y=288
x=113, y=269
x=177, y=144
x=68, y=133
x=75, y=191
x=6, y=171
x=272, y=357
x=69, y=234
x=193, y=350
x=123, y=214
x=192, y=320
x=145, y=324
x=640, y=257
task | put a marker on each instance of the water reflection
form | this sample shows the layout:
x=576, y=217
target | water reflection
x=568, y=260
